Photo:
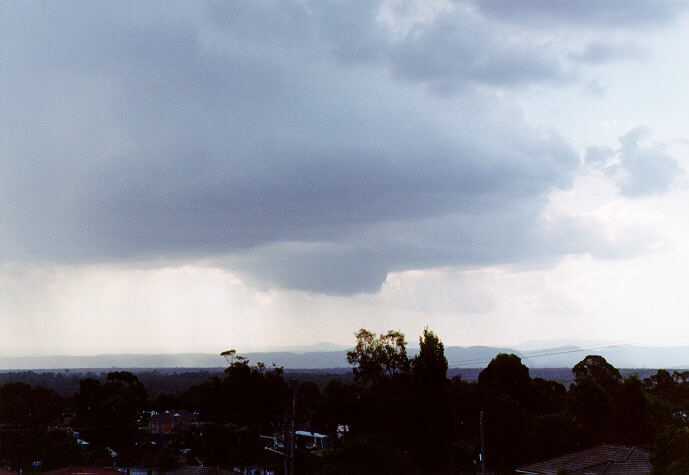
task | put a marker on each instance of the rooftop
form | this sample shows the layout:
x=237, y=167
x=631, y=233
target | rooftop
x=601, y=459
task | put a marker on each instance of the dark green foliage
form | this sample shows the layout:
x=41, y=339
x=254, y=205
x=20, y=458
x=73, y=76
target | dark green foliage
x=338, y=404
x=592, y=409
x=226, y=445
x=378, y=359
x=22, y=405
x=404, y=416
x=506, y=374
x=506, y=395
x=108, y=413
x=430, y=414
x=465, y=406
x=506, y=433
x=598, y=370
x=552, y=435
x=64, y=383
x=368, y=454
x=60, y=449
x=631, y=414
x=252, y=395
x=309, y=399
x=167, y=457
x=551, y=396
x=662, y=384
x=672, y=451
x=25, y=414
x=429, y=367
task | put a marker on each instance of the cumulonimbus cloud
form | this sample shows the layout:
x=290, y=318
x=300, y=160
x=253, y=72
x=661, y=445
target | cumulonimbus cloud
x=268, y=137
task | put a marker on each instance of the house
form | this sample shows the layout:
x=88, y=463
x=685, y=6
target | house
x=304, y=439
x=167, y=421
x=311, y=440
x=601, y=459
x=139, y=460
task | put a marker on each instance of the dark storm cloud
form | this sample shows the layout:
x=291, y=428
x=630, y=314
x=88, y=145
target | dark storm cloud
x=270, y=135
x=584, y=13
x=457, y=48
x=462, y=48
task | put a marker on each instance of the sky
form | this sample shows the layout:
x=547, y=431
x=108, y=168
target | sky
x=198, y=176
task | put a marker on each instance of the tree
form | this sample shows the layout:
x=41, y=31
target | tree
x=662, y=384
x=551, y=435
x=60, y=449
x=595, y=367
x=506, y=374
x=108, y=413
x=672, y=451
x=430, y=411
x=229, y=355
x=429, y=367
x=592, y=408
x=632, y=413
x=378, y=358
x=250, y=395
x=25, y=414
x=506, y=433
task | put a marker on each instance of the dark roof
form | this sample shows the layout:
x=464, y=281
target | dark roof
x=135, y=457
x=601, y=459
x=81, y=471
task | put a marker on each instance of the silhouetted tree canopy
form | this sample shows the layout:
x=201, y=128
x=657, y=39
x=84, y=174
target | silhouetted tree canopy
x=429, y=367
x=598, y=370
x=401, y=415
x=377, y=358
x=672, y=451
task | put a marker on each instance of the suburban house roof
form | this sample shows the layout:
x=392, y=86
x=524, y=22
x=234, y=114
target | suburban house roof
x=311, y=434
x=601, y=459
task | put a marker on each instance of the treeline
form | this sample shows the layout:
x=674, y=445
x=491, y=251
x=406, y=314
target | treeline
x=66, y=383
x=410, y=416
x=397, y=415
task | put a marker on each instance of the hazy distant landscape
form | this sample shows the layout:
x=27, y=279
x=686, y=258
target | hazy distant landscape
x=458, y=357
x=412, y=409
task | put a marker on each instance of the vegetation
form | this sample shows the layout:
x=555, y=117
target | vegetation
x=397, y=415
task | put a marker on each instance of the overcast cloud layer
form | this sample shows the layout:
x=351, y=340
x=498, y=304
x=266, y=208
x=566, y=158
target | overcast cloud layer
x=316, y=145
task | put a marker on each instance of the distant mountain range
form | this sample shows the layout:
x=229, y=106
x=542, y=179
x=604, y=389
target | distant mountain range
x=335, y=357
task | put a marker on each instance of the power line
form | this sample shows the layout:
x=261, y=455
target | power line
x=480, y=361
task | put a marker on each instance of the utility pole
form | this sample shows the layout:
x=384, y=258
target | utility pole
x=285, y=458
x=483, y=444
x=289, y=434
x=293, y=431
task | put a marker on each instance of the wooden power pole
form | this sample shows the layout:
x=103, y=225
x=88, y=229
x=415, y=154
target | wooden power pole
x=483, y=444
x=293, y=433
x=290, y=436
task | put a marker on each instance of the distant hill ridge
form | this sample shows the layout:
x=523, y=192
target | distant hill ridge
x=462, y=357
